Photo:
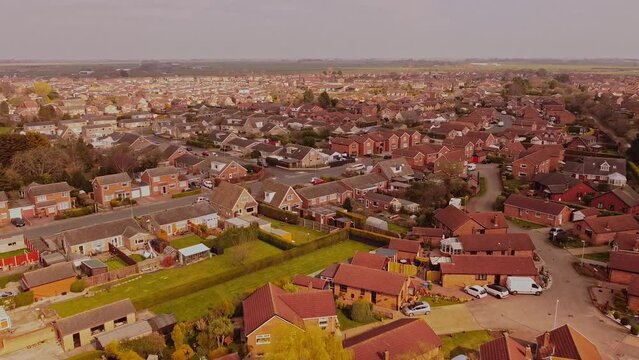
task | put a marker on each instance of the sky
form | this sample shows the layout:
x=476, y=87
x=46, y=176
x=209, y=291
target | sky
x=320, y=29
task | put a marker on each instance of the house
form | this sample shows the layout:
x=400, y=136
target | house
x=622, y=200
x=536, y=211
x=108, y=187
x=50, y=281
x=270, y=308
x=381, y=288
x=604, y=170
x=192, y=164
x=407, y=250
x=360, y=185
x=164, y=180
x=96, y=238
x=430, y=237
x=513, y=244
x=567, y=343
x=231, y=200
x=603, y=230
x=505, y=348
x=279, y=195
x=80, y=329
x=175, y=221
x=557, y=186
x=622, y=267
x=228, y=170
x=334, y=192
x=633, y=294
x=394, y=169
x=299, y=156
x=492, y=222
x=5, y=217
x=49, y=199
x=41, y=127
x=345, y=145
x=372, y=261
x=381, y=202
x=528, y=166
x=455, y=222
x=309, y=283
x=400, y=339
x=464, y=270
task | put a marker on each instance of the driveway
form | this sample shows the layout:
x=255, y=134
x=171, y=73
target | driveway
x=531, y=315
x=451, y=319
x=493, y=188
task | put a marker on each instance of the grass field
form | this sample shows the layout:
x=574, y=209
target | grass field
x=10, y=254
x=186, y=241
x=115, y=263
x=197, y=304
x=396, y=228
x=602, y=256
x=525, y=224
x=300, y=234
x=464, y=343
x=157, y=281
x=137, y=257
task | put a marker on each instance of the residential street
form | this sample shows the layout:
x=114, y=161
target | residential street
x=493, y=188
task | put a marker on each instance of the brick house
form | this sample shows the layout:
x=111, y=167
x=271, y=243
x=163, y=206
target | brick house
x=334, y=192
x=164, y=180
x=622, y=267
x=610, y=171
x=379, y=287
x=270, y=308
x=561, y=187
x=603, y=230
x=492, y=222
x=622, y=200
x=455, y=222
x=227, y=170
x=536, y=211
x=466, y=270
x=5, y=218
x=49, y=199
x=50, y=281
x=365, y=145
x=513, y=244
x=231, y=200
x=345, y=146
x=527, y=167
x=108, y=187
x=360, y=185
x=279, y=195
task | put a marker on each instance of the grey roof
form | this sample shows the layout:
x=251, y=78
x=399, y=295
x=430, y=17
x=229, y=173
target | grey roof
x=49, y=274
x=36, y=189
x=592, y=166
x=364, y=181
x=128, y=331
x=311, y=192
x=159, y=171
x=113, y=178
x=395, y=167
x=189, y=159
x=94, y=263
x=94, y=317
x=295, y=151
x=627, y=195
x=194, y=249
x=99, y=231
x=181, y=213
x=162, y=321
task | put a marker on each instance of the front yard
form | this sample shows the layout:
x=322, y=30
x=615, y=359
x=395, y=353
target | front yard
x=346, y=323
x=465, y=343
x=10, y=254
x=158, y=281
x=197, y=304
x=300, y=234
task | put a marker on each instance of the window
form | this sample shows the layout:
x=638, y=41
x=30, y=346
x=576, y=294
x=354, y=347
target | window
x=550, y=217
x=156, y=178
x=323, y=322
x=41, y=198
x=263, y=339
x=523, y=174
x=537, y=214
x=343, y=288
x=362, y=292
x=523, y=166
x=124, y=184
x=481, y=277
x=289, y=197
x=600, y=206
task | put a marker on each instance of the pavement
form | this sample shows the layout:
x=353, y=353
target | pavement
x=451, y=319
x=493, y=188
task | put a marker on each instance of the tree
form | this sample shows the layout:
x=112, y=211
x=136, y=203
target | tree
x=347, y=204
x=308, y=96
x=115, y=351
x=324, y=100
x=145, y=346
x=179, y=334
x=11, y=144
x=121, y=159
x=42, y=88
x=290, y=343
x=633, y=152
x=362, y=311
x=44, y=164
x=47, y=113
x=219, y=329
x=182, y=352
x=308, y=141
x=563, y=78
x=4, y=108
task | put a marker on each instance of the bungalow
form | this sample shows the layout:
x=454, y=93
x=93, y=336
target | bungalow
x=513, y=244
x=455, y=222
x=298, y=156
x=430, y=237
x=109, y=187
x=381, y=288
x=334, y=192
x=80, y=329
x=371, y=261
x=231, y=200
x=96, y=238
x=492, y=222
x=622, y=200
x=536, y=210
x=309, y=283
x=270, y=308
x=360, y=185
x=400, y=339
x=394, y=169
x=381, y=202
x=622, y=267
x=279, y=195
x=49, y=199
x=164, y=180
x=50, y=281
x=176, y=221
x=466, y=270
x=407, y=250
x=603, y=230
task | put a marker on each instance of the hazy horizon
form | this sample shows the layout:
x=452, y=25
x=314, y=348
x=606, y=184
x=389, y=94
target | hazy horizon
x=280, y=30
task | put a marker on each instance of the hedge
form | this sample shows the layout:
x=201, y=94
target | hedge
x=201, y=284
x=359, y=220
x=278, y=214
x=23, y=299
x=78, y=286
x=186, y=193
x=369, y=237
x=71, y=213
x=229, y=237
x=274, y=240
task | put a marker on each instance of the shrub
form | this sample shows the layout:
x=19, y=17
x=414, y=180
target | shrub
x=616, y=315
x=23, y=299
x=78, y=286
x=625, y=321
x=278, y=214
x=186, y=193
x=634, y=329
x=271, y=161
x=168, y=261
x=274, y=240
x=362, y=311
x=71, y=213
x=115, y=202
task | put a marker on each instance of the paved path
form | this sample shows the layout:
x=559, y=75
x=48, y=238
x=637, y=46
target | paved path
x=493, y=188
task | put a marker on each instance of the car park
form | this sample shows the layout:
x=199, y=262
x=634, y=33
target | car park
x=420, y=308
x=475, y=291
x=18, y=222
x=496, y=290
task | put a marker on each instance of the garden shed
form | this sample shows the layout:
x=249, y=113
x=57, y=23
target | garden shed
x=94, y=267
x=377, y=223
x=194, y=253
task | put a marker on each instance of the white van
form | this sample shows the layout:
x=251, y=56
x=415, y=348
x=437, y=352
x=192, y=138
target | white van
x=522, y=285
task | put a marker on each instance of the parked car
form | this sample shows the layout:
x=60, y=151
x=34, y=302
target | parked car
x=476, y=291
x=317, y=181
x=497, y=291
x=18, y=222
x=189, y=149
x=554, y=231
x=201, y=199
x=356, y=167
x=207, y=184
x=471, y=167
x=262, y=162
x=509, y=168
x=388, y=156
x=205, y=153
x=523, y=285
x=420, y=308
x=500, y=124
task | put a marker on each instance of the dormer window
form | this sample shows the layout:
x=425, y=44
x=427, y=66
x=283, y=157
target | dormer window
x=605, y=167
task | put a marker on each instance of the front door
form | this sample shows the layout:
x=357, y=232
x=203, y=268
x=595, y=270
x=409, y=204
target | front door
x=76, y=340
x=374, y=297
x=497, y=279
x=163, y=190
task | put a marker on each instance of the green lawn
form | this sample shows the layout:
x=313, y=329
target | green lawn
x=345, y=322
x=513, y=183
x=115, y=263
x=4, y=280
x=602, y=256
x=525, y=224
x=10, y=254
x=137, y=257
x=90, y=355
x=436, y=301
x=186, y=241
x=150, y=283
x=464, y=343
x=396, y=228
x=5, y=130
x=197, y=304
x=300, y=234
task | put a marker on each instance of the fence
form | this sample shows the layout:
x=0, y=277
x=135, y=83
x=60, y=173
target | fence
x=33, y=256
x=310, y=224
x=112, y=275
x=381, y=231
x=121, y=255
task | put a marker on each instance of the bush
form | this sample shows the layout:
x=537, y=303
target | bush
x=634, y=329
x=232, y=236
x=274, y=240
x=78, y=286
x=362, y=311
x=271, y=161
x=71, y=213
x=616, y=315
x=278, y=214
x=625, y=321
x=186, y=193
x=23, y=299
x=369, y=237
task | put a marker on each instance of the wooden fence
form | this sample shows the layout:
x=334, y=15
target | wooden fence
x=112, y=275
x=314, y=225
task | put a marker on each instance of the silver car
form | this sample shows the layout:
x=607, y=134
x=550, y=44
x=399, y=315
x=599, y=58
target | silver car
x=475, y=291
x=497, y=291
x=420, y=308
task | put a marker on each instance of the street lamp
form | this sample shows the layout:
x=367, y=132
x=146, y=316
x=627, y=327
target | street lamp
x=583, y=250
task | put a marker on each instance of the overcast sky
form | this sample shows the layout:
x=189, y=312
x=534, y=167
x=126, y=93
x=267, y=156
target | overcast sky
x=293, y=29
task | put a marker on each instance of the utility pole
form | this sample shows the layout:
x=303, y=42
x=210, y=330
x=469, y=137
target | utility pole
x=554, y=323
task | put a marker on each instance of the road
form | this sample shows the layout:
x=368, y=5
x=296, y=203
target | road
x=493, y=188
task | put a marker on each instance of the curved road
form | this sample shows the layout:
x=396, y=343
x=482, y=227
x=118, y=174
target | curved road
x=493, y=188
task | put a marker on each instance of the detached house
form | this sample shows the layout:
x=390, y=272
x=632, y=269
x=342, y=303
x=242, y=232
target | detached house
x=108, y=187
x=379, y=287
x=231, y=200
x=603, y=230
x=334, y=192
x=363, y=184
x=466, y=270
x=279, y=195
x=228, y=170
x=455, y=222
x=164, y=180
x=49, y=199
x=536, y=210
x=298, y=156
x=528, y=166
x=598, y=169
x=176, y=221
x=562, y=187
x=95, y=239
x=622, y=200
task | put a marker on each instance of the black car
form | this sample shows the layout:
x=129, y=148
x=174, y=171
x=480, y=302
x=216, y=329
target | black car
x=18, y=222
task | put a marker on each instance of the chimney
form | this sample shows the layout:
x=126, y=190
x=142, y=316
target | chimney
x=546, y=339
x=495, y=220
x=386, y=355
x=528, y=355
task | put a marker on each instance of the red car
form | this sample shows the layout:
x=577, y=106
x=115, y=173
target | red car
x=317, y=181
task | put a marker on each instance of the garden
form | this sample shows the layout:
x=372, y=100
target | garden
x=466, y=343
x=300, y=234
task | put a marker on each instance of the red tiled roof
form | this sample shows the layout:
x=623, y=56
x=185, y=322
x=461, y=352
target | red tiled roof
x=369, y=260
x=451, y=217
x=306, y=281
x=608, y=224
x=490, y=219
x=404, y=336
x=425, y=231
x=546, y=207
x=566, y=342
x=633, y=287
x=496, y=242
x=369, y=279
x=624, y=261
x=490, y=265
x=409, y=246
x=503, y=348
